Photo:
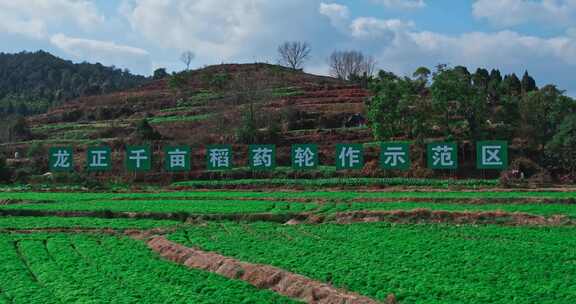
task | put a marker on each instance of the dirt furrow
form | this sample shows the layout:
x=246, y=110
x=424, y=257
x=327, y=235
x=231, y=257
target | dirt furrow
x=261, y=276
x=450, y=217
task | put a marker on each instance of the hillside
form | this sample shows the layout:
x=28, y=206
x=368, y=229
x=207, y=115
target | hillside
x=30, y=83
x=209, y=106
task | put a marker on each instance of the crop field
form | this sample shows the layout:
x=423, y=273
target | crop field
x=419, y=263
x=57, y=268
x=102, y=247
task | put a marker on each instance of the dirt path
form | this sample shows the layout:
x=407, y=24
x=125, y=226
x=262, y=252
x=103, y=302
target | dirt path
x=289, y=284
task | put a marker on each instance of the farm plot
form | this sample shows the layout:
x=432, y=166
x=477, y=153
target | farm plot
x=23, y=223
x=337, y=182
x=57, y=268
x=311, y=195
x=167, y=206
x=418, y=263
x=232, y=203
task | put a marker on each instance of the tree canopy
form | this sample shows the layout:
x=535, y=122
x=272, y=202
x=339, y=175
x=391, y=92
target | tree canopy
x=458, y=105
x=30, y=83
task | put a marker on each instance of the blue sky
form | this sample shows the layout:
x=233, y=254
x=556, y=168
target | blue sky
x=141, y=35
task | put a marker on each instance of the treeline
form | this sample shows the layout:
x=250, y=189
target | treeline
x=454, y=104
x=30, y=83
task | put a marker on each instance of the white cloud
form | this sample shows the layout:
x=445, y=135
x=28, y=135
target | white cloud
x=499, y=48
x=506, y=13
x=336, y=13
x=108, y=53
x=208, y=27
x=29, y=28
x=374, y=28
x=32, y=17
x=402, y=4
x=400, y=48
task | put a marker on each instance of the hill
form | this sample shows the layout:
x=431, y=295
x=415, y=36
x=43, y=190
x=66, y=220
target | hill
x=241, y=104
x=30, y=83
x=233, y=104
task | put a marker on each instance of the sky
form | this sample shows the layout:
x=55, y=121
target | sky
x=142, y=35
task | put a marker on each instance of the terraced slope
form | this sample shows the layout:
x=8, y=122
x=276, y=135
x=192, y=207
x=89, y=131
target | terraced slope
x=321, y=102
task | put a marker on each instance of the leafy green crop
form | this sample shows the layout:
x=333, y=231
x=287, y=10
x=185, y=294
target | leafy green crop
x=336, y=195
x=60, y=268
x=227, y=202
x=189, y=206
x=418, y=263
x=23, y=222
x=333, y=182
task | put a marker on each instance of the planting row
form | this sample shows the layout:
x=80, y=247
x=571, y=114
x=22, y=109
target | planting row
x=325, y=195
x=103, y=269
x=187, y=207
x=23, y=223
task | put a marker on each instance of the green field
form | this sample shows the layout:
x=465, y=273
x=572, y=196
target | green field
x=55, y=268
x=221, y=202
x=419, y=263
x=64, y=257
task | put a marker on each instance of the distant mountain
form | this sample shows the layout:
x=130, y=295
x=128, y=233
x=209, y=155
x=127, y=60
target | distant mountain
x=31, y=83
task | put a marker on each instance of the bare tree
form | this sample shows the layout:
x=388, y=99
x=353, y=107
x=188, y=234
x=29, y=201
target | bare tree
x=347, y=64
x=187, y=58
x=293, y=54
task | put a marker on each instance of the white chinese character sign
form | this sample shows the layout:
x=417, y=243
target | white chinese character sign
x=177, y=158
x=262, y=157
x=395, y=156
x=349, y=156
x=304, y=157
x=442, y=156
x=138, y=158
x=61, y=159
x=219, y=157
x=492, y=155
x=98, y=159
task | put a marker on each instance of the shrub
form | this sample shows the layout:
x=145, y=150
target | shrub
x=36, y=150
x=145, y=131
x=5, y=172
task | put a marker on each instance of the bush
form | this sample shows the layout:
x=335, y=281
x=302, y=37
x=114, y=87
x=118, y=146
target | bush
x=144, y=131
x=36, y=150
x=22, y=175
x=5, y=172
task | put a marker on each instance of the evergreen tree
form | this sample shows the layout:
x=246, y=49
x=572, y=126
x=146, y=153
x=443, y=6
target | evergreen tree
x=511, y=85
x=495, y=76
x=528, y=83
x=481, y=79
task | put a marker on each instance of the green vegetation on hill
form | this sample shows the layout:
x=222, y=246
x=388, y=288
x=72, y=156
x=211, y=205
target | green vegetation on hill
x=30, y=83
x=454, y=104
